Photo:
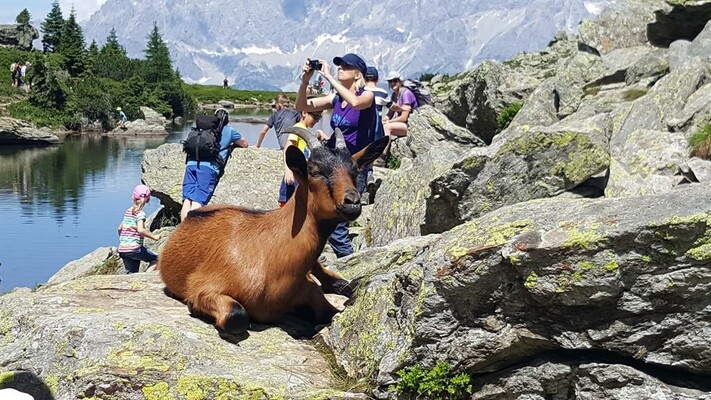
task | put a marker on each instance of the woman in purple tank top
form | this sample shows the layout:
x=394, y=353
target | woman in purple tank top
x=353, y=112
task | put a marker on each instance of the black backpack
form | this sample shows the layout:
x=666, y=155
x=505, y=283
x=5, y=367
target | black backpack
x=203, y=141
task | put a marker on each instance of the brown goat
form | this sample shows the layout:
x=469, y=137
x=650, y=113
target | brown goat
x=233, y=264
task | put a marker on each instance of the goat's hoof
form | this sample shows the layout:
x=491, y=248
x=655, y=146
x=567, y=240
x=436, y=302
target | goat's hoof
x=343, y=288
x=237, y=321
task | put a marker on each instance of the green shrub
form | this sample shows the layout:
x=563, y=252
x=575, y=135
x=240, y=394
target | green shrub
x=39, y=116
x=507, y=115
x=392, y=162
x=700, y=143
x=213, y=94
x=437, y=383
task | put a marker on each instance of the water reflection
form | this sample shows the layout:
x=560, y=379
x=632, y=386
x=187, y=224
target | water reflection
x=56, y=175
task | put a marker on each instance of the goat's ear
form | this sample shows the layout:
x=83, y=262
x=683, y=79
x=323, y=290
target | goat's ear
x=371, y=152
x=296, y=161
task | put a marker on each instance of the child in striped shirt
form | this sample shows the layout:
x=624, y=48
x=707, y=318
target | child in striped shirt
x=131, y=232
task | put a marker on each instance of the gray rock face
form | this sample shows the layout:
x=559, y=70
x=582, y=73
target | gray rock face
x=429, y=129
x=18, y=36
x=102, y=261
x=620, y=26
x=559, y=380
x=16, y=132
x=252, y=177
x=646, y=163
x=475, y=98
x=627, y=277
x=121, y=336
x=445, y=190
x=152, y=117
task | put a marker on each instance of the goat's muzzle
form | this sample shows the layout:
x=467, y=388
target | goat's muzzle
x=350, y=208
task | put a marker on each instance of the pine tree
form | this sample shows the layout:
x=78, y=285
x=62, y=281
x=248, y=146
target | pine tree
x=23, y=17
x=112, y=44
x=158, y=67
x=71, y=45
x=113, y=62
x=52, y=28
x=92, y=57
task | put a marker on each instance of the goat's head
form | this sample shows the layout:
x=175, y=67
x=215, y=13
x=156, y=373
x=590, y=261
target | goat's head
x=331, y=174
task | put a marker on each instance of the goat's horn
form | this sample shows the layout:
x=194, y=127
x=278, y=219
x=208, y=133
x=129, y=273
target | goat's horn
x=340, y=141
x=310, y=139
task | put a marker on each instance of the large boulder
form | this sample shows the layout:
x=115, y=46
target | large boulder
x=252, y=177
x=560, y=95
x=475, y=98
x=18, y=132
x=122, y=337
x=611, y=281
x=152, y=117
x=429, y=129
x=622, y=25
x=646, y=163
x=562, y=379
x=153, y=124
x=18, y=36
x=447, y=189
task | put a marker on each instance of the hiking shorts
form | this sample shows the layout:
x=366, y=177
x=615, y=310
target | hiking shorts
x=286, y=191
x=199, y=183
x=132, y=260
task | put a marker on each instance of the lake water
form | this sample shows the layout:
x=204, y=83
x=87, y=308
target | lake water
x=59, y=203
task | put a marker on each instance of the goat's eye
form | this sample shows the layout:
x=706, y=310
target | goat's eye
x=315, y=171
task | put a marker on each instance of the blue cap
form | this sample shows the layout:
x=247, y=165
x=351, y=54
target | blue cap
x=371, y=74
x=351, y=60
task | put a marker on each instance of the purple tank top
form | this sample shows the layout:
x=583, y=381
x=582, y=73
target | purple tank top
x=358, y=126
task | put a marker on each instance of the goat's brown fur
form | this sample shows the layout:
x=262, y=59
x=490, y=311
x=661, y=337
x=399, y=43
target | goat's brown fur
x=224, y=257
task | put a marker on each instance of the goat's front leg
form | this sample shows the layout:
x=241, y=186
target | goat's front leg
x=331, y=282
x=312, y=298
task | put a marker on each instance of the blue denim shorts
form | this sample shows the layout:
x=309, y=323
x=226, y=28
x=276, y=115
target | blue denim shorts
x=132, y=260
x=199, y=183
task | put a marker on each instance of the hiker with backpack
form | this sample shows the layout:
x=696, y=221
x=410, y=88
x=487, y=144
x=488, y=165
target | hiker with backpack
x=408, y=96
x=207, y=147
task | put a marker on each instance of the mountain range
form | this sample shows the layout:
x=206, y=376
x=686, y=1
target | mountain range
x=261, y=44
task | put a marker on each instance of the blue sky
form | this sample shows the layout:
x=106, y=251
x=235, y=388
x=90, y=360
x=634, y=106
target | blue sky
x=39, y=8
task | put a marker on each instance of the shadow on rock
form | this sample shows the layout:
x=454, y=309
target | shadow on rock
x=26, y=382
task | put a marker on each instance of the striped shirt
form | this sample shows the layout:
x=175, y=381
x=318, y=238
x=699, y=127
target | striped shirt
x=129, y=238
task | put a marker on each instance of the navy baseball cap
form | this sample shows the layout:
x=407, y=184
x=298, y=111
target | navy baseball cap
x=371, y=74
x=351, y=60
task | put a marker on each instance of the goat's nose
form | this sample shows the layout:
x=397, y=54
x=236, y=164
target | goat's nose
x=352, y=198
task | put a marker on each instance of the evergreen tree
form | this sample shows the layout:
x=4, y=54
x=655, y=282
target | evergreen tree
x=113, y=62
x=23, y=17
x=52, y=28
x=158, y=67
x=92, y=57
x=112, y=44
x=47, y=90
x=71, y=45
